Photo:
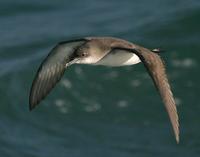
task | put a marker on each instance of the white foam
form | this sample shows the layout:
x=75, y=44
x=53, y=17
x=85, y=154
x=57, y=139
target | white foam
x=187, y=62
x=66, y=83
x=122, y=104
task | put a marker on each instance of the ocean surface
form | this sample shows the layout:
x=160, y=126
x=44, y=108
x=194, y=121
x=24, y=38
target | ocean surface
x=98, y=111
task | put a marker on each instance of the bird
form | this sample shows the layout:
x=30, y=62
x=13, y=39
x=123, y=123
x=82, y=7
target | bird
x=107, y=51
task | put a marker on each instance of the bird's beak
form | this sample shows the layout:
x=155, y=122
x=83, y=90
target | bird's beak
x=72, y=61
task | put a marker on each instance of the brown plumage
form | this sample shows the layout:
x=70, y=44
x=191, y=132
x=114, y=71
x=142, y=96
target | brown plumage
x=156, y=70
x=102, y=51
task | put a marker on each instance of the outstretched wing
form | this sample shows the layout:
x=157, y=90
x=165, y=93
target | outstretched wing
x=156, y=70
x=51, y=70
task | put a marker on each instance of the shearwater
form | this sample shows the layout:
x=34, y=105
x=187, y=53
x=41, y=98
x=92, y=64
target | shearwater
x=106, y=51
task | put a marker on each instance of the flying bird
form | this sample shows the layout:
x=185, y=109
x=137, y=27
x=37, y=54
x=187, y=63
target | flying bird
x=106, y=51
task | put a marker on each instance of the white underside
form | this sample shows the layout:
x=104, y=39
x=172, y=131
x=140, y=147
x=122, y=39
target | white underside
x=119, y=59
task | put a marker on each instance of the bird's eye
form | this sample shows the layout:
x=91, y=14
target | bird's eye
x=83, y=54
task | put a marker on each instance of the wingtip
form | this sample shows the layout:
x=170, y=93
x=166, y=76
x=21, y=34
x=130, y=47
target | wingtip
x=31, y=107
x=177, y=140
x=177, y=137
x=32, y=104
x=176, y=131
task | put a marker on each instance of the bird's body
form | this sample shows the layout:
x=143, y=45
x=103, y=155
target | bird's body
x=101, y=53
x=106, y=51
x=116, y=59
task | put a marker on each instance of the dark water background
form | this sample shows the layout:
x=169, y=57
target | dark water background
x=98, y=111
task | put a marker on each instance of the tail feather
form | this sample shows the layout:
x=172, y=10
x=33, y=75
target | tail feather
x=157, y=50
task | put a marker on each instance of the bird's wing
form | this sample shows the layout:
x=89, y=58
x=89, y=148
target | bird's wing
x=51, y=70
x=156, y=70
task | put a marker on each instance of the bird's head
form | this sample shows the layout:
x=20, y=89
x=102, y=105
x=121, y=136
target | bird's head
x=89, y=53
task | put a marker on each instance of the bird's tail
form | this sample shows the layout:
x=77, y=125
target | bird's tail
x=157, y=50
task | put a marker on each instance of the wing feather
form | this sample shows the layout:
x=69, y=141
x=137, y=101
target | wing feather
x=156, y=70
x=51, y=70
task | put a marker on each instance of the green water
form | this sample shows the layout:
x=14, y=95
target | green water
x=98, y=111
